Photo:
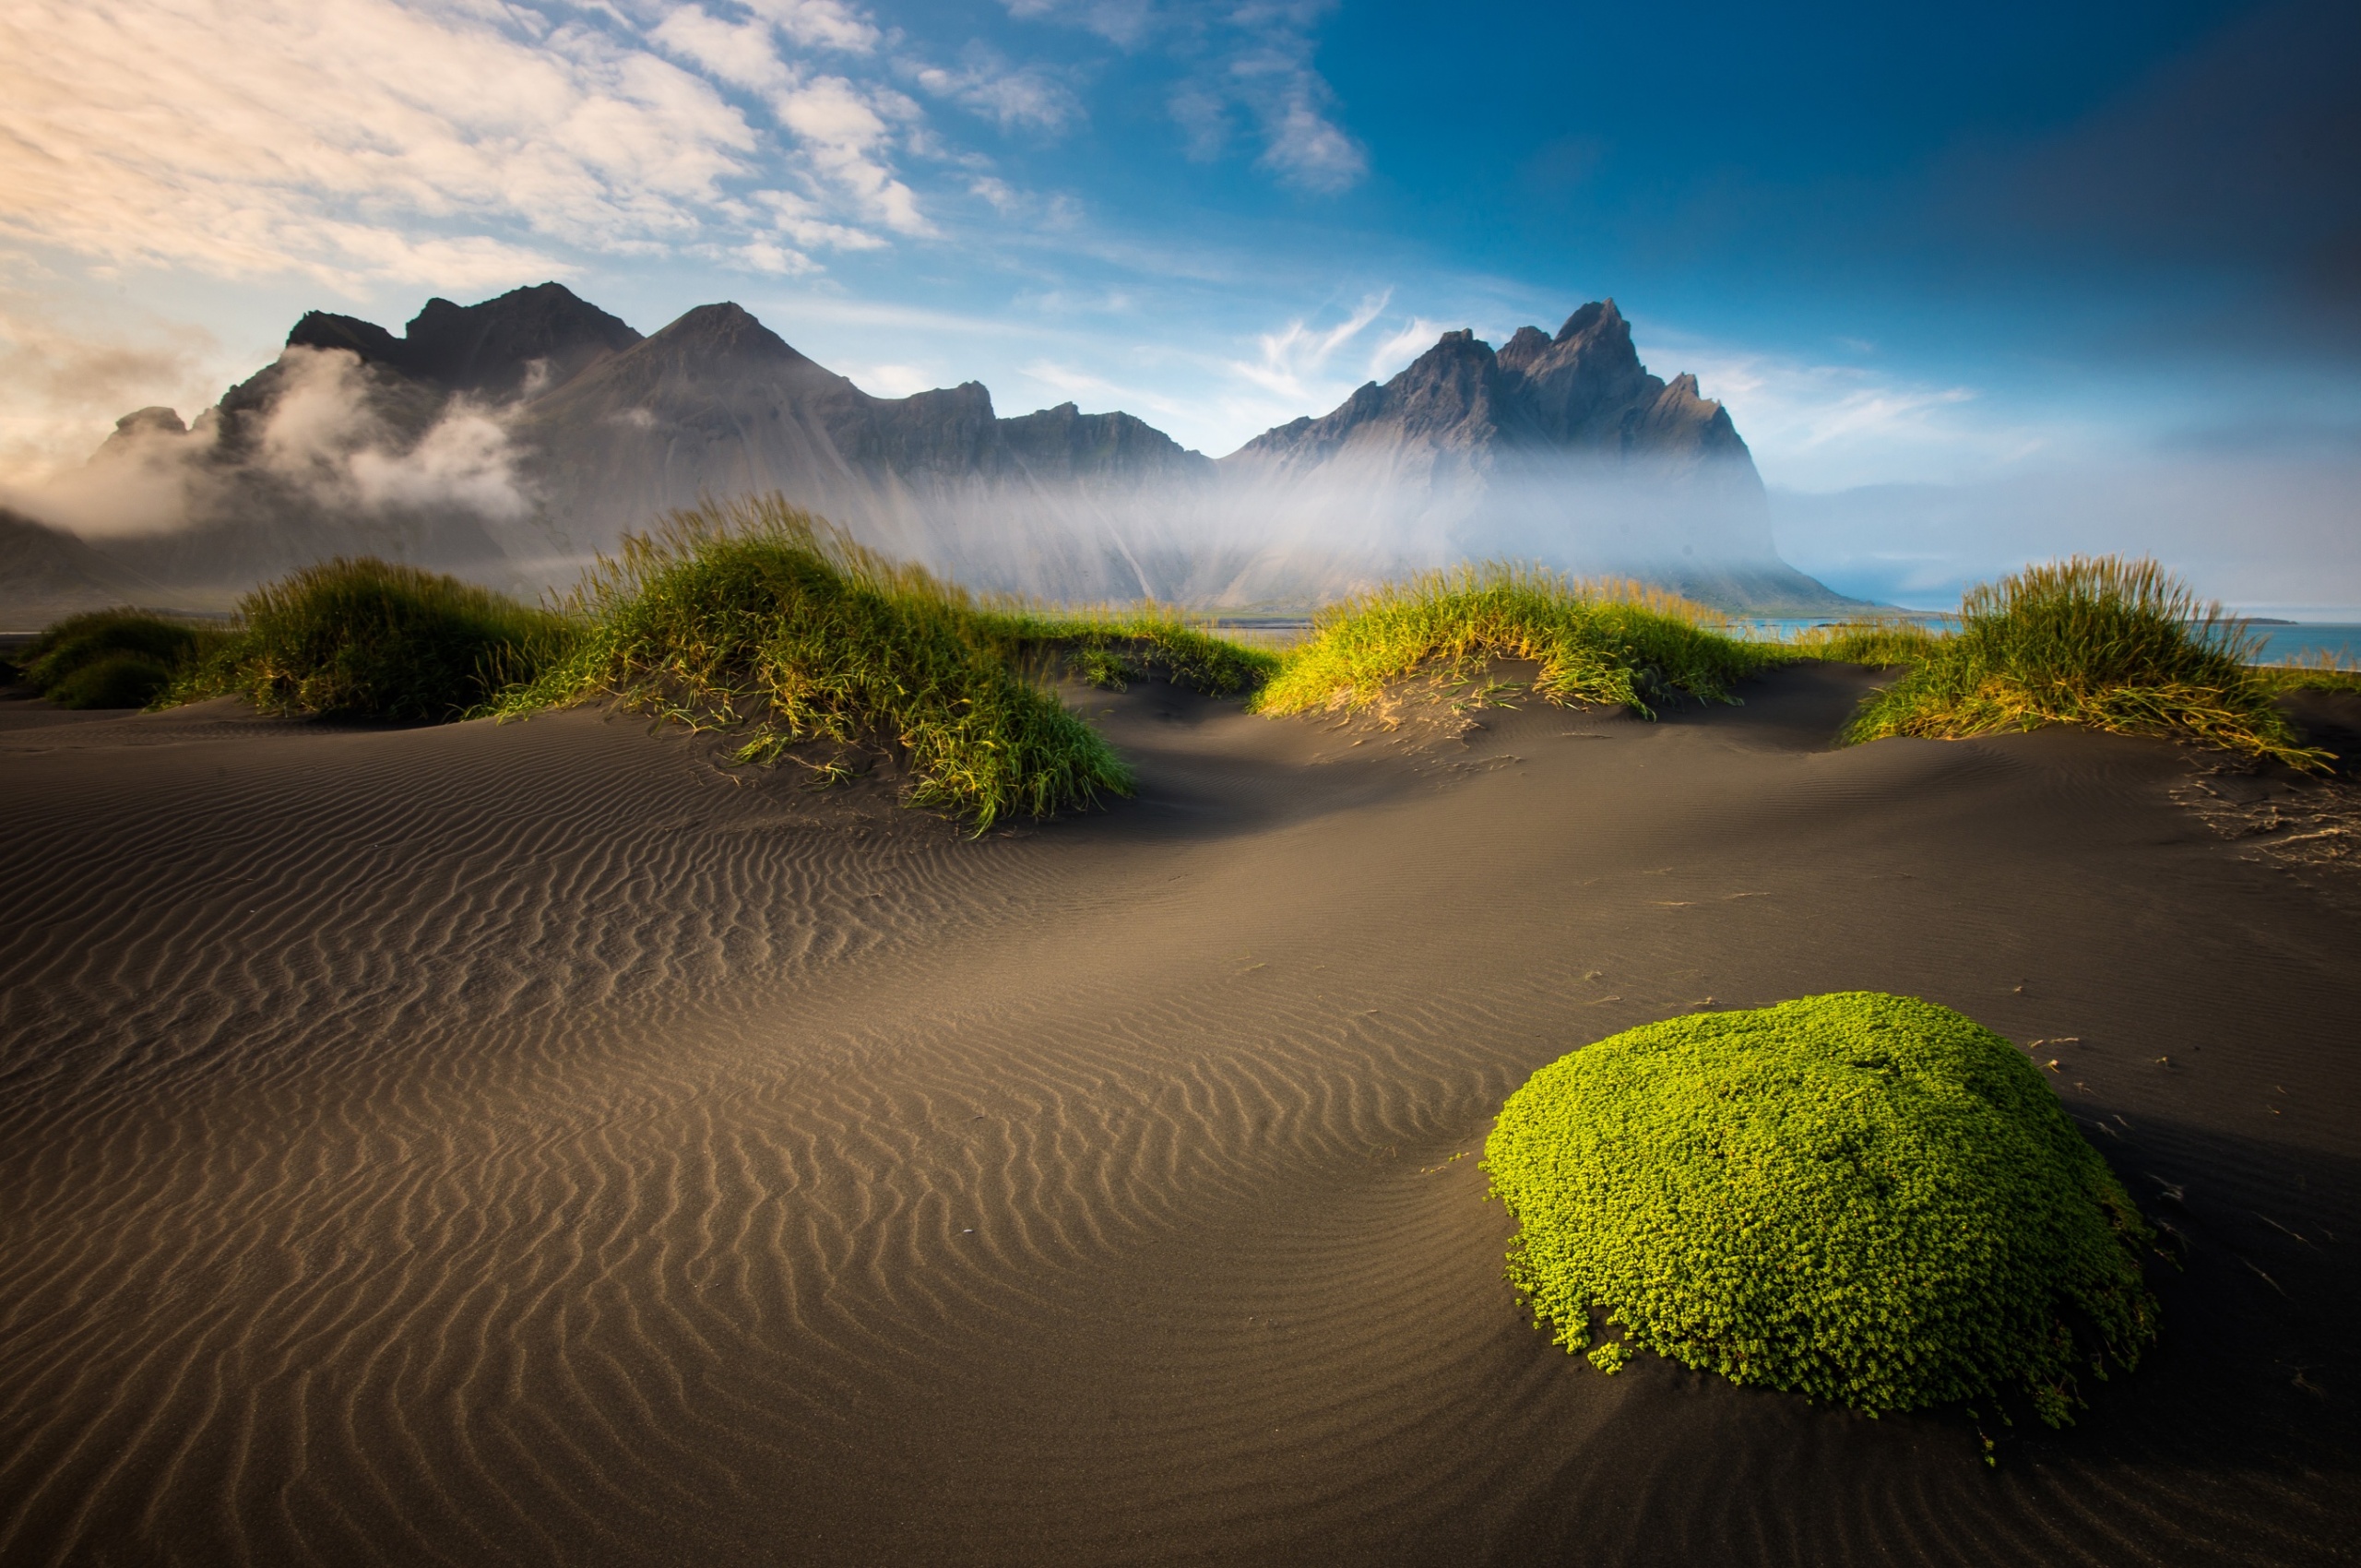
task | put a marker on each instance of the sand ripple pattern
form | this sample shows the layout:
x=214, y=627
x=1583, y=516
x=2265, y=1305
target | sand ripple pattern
x=529, y=1145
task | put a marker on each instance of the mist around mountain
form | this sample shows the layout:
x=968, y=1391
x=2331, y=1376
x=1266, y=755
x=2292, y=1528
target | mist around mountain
x=509, y=441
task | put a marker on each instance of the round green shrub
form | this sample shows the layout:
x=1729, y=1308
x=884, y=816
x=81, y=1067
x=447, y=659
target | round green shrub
x=112, y=680
x=1863, y=1198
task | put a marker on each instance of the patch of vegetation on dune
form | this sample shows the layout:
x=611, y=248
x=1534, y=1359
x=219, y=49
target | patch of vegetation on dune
x=1603, y=640
x=757, y=617
x=2100, y=641
x=116, y=657
x=1883, y=643
x=372, y=639
x=1863, y=1198
x=1110, y=649
x=2321, y=673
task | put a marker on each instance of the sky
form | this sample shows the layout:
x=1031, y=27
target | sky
x=1978, y=285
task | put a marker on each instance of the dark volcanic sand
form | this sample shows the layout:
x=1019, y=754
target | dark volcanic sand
x=532, y=1144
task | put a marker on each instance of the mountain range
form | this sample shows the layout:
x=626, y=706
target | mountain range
x=510, y=440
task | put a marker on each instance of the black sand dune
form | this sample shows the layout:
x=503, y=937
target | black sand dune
x=532, y=1144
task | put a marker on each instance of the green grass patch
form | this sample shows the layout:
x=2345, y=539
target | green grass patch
x=370, y=639
x=116, y=657
x=1863, y=1198
x=2321, y=673
x=1596, y=641
x=2111, y=643
x=1877, y=643
x=756, y=617
x=1110, y=649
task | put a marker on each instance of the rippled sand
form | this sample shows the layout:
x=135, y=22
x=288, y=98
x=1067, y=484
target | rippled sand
x=535, y=1143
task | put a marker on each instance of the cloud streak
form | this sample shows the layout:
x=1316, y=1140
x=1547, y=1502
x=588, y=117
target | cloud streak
x=352, y=141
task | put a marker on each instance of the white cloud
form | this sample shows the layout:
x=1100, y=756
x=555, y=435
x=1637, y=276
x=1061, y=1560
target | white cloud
x=1252, y=59
x=1124, y=23
x=1816, y=426
x=893, y=380
x=739, y=52
x=1308, y=149
x=344, y=140
x=801, y=221
x=1026, y=97
x=62, y=387
x=324, y=435
x=845, y=135
x=780, y=261
x=820, y=24
x=1293, y=360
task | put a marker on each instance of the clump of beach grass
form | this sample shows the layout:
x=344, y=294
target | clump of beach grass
x=1863, y=1198
x=1596, y=640
x=2322, y=671
x=1881, y=642
x=2112, y=643
x=1110, y=649
x=364, y=638
x=116, y=657
x=756, y=617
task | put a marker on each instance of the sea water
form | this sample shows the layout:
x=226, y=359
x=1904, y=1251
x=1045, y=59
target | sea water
x=2282, y=642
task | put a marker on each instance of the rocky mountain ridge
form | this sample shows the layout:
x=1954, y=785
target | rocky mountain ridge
x=511, y=439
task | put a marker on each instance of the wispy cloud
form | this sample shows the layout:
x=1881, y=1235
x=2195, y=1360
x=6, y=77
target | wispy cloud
x=1015, y=98
x=846, y=133
x=60, y=382
x=1819, y=426
x=820, y=24
x=458, y=145
x=1294, y=358
x=1243, y=67
x=350, y=140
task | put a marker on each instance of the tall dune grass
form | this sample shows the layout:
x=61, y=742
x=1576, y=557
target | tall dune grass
x=2320, y=672
x=370, y=639
x=757, y=617
x=1596, y=641
x=2101, y=641
x=1884, y=642
x=116, y=657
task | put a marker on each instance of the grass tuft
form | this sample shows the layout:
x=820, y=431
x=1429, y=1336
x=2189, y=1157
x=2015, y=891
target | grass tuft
x=370, y=639
x=1596, y=641
x=1863, y=1198
x=116, y=657
x=1883, y=642
x=757, y=617
x=2115, y=645
x=2321, y=673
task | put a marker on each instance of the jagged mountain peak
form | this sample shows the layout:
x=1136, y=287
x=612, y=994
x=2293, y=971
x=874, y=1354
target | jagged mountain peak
x=1582, y=391
x=726, y=327
x=522, y=342
x=1598, y=319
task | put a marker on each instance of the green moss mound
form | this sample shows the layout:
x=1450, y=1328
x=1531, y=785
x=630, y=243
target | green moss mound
x=370, y=639
x=1863, y=1198
x=2103, y=642
x=115, y=658
x=1604, y=641
x=761, y=618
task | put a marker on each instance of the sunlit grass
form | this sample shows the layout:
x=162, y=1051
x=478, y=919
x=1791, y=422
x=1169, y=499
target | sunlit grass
x=2098, y=641
x=758, y=618
x=2321, y=672
x=1596, y=640
x=1882, y=642
x=372, y=639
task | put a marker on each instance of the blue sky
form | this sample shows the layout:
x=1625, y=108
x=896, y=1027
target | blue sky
x=1977, y=284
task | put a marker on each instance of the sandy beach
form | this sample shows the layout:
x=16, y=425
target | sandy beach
x=535, y=1143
